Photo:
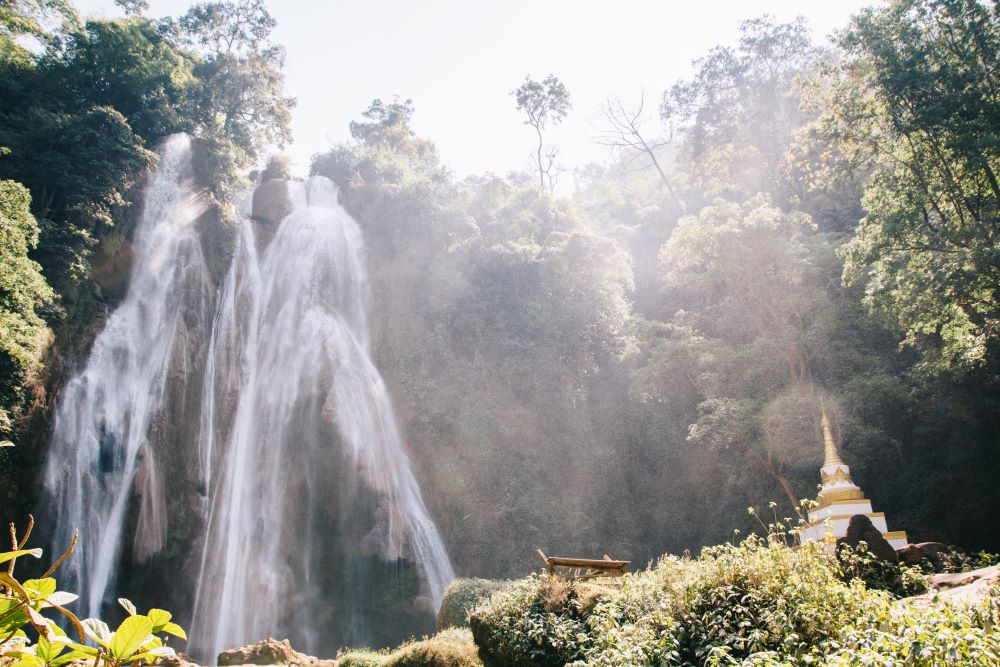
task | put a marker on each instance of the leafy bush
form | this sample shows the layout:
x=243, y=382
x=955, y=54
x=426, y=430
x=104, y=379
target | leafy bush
x=880, y=575
x=760, y=602
x=135, y=641
x=538, y=621
x=462, y=597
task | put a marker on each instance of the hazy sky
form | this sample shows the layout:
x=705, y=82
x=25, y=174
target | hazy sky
x=459, y=59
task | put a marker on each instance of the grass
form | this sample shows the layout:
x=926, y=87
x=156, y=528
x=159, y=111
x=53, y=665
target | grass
x=450, y=648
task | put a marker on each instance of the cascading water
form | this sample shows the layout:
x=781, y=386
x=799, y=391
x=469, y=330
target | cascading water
x=291, y=341
x=305, y=500
x=101, y=456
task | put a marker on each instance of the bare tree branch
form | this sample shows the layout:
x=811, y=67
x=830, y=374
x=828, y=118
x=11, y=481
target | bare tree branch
x=622, y=132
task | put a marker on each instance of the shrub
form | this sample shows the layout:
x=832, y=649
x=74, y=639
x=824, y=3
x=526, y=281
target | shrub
x=538, y=621
x=279, y=166
x=134, y=642
x=877, y=574
x=760, y=603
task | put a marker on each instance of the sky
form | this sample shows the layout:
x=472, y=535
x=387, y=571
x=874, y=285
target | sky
x=459, y=60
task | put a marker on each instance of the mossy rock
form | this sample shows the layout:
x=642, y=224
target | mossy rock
x=362, y=658
x=451, y=648
x=462, y=596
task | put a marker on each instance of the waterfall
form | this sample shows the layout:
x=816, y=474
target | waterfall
x=302, y=484
x=100, y=458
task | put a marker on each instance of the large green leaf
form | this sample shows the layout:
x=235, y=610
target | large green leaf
x=79, y=652
x=153, y=655
x=11, y=555
x=98, y=630
x=25, y=659
x=159, y=617
x=48, y=651
x=61, y=598
x=41, y=588
x=11, y=616
x=175, y=630
x=129, y=636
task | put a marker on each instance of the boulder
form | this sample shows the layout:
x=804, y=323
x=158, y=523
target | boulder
x=861, y=529
x=966, y=587
x=271, y=202
x=178, y=660
x=269, y=652
x=915, y=554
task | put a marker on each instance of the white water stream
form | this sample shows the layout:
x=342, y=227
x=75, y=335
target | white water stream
x=287, y=388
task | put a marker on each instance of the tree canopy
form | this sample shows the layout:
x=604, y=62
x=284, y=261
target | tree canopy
x=915, y=105
x=545, y=103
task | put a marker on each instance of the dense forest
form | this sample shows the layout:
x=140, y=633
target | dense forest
x=624, y=368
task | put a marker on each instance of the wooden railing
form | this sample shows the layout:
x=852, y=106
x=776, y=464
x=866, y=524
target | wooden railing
x=584, y=568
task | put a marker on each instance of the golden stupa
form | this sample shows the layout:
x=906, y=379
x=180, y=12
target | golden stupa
x=840, y=499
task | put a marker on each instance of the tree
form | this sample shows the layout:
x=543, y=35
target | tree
x=79, y=180
x=738, y=112
x=240, y=96
x=23, y=291
x=45, y=21
x=133, y=7
x=915, y=106
x=130, y=66
x=622, y=132
x=754, y=315
x=545, y=103
x=388, y=125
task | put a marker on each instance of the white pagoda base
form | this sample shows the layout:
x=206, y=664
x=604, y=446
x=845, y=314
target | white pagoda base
x=840, y=499
x=838, y=514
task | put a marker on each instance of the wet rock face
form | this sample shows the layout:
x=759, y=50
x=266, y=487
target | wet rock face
x=271, y=203
x=860, y=529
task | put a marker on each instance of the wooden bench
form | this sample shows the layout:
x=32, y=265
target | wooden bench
x=585, y=568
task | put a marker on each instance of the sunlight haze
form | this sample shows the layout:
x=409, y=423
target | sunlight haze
x=458, y=62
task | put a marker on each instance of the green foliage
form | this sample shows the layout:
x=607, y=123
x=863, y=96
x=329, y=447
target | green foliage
x=132, y=67
x=23, y=291
x=914, y=106
x=738, y=113
x=756, y=603
x=388, y=126
x=544, y=103
x=278, y=167
x=239, y=95
x=32, y=19
x=82, y=178
x=877, y=574
x=537, y=621
x=751, y=284
x=21, y=605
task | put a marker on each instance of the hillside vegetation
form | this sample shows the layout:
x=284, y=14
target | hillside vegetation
x=759, y=602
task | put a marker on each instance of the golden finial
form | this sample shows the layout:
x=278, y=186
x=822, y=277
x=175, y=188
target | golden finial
x=831, y=457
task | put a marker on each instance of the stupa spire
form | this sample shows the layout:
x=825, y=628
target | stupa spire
x=831, y=457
